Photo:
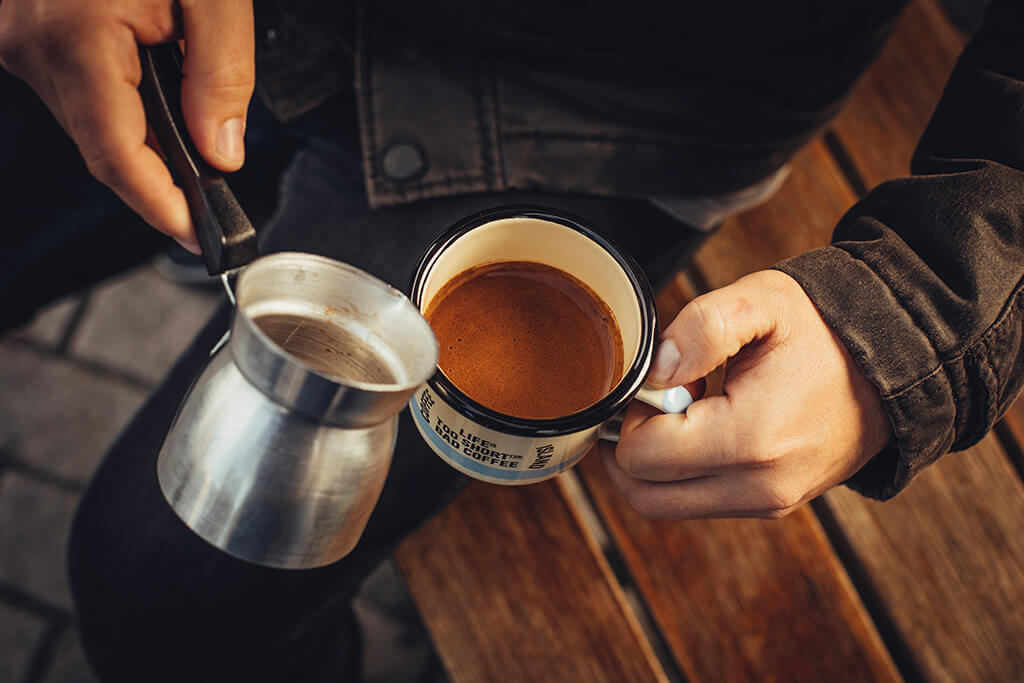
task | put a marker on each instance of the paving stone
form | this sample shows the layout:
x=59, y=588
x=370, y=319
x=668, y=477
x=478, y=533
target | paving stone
x=69, y=665
x=35, y=519
x=140, y=322
x=59, y=415
x=19, y=633
x=50, y=324
x=397, y=647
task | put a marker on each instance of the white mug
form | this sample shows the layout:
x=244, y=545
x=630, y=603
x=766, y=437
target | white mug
x=503, y=449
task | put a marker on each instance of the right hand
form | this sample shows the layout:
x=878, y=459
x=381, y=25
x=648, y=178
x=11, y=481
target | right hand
x=796, y=415
x=81, y=57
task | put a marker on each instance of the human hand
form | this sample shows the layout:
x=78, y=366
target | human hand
x=796, y=416
x=81, y=57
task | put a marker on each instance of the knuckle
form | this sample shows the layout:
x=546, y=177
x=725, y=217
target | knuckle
x=103, y=166
x=779, y=500
x=236, y=76
x=643, y=503
x=160, y=22
x=232, y=79
x=761, y=449
x=778, y=513
x=626, y=460
x=57, y=30
x=761, y=456
x=708, y=319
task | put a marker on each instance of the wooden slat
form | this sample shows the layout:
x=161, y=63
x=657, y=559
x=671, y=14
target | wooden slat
x=1014, y=423
x=745, y=599
x=947, y=556
x=947, y=559
x=955, y=623
x=511, y=589
x=798, y=219
x=943, y=642
x=890, y=107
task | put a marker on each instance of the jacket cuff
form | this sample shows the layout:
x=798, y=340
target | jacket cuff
x=893, y=353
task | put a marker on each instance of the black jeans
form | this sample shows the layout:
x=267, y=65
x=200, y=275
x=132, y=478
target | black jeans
x=156, y=603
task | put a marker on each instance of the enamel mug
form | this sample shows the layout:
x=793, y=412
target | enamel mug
x=503, y=449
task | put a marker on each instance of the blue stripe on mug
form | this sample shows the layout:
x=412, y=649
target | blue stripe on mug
x=474, y=466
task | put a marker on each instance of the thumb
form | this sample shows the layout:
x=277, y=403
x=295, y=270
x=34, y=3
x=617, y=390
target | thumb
x=714, y=327
x=218, y=77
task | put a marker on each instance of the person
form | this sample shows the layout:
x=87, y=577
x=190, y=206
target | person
x=897, y=343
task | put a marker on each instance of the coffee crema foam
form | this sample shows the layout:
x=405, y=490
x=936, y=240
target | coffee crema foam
x=526, y=339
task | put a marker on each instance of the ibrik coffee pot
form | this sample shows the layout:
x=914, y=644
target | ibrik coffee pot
x=281, y=447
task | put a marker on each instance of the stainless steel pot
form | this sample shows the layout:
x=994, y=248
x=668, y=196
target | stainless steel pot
x=280, y=449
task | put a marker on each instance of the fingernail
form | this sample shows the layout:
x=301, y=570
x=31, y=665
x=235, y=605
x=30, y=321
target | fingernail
x=229, y=141
x=666, y=360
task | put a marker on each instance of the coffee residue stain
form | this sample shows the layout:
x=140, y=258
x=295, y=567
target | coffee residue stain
x=326, y=347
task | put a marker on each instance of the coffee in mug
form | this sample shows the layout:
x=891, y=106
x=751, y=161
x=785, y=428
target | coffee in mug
x=509, y=415
x=526, y=339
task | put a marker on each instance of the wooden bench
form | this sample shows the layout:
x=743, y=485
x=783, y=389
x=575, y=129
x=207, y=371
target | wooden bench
x=562, y=581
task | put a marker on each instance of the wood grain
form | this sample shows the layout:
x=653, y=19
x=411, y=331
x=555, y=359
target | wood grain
x=511, y=589
x=889, y=108
x=1014, y=432
x=745, y=600
x=946, y=555
x=947, y=559
x=799, y=218
x=750, y=600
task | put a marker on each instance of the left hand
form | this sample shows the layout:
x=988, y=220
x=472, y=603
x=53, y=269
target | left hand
x=796, y=416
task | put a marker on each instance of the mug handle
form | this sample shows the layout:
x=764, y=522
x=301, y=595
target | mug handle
x=671, y=400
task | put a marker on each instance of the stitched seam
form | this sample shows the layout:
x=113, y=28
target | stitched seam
x=580, y=137
x=496, y=123
x=963, y=351
x=910, y=314
x=975, y=366
x=632, y=140
x=486, y=151
x=369, y=123
x=988, y=339
x=991, y=380
x=446, y=182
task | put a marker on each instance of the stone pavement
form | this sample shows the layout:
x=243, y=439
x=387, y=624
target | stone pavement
x=70, y=381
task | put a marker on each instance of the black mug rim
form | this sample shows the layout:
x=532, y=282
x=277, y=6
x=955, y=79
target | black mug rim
x=591, y=416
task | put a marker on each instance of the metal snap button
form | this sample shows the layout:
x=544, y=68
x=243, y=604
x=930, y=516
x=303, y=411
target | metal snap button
x=403, y=161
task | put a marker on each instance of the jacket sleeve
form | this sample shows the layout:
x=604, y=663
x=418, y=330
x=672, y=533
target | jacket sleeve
x=923, y=279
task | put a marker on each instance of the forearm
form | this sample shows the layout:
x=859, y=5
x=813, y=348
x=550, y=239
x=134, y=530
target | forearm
x=923, y=280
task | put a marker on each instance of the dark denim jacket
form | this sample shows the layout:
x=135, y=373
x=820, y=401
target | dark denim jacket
x=666, y=99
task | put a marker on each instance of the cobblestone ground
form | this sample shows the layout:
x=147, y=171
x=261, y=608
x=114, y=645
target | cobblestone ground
x=69, y=382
